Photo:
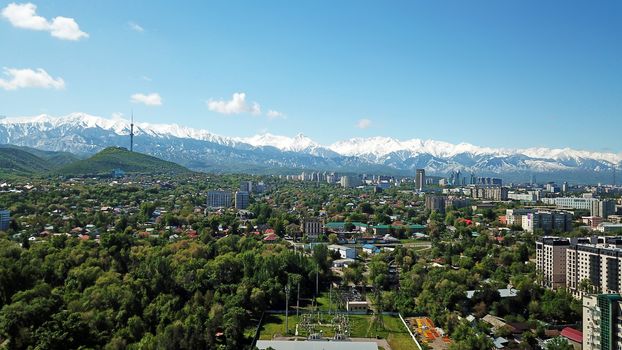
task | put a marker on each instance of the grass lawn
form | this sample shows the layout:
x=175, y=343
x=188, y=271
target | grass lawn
x=275, y=325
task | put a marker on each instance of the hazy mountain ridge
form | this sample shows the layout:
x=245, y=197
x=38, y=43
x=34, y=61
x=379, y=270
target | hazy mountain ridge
x=85, y=134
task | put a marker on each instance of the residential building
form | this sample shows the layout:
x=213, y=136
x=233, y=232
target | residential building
x=457, y=203
x=349, y=181
x=603, y=208
x=493, y=193
x=435, y=203
x=219, y=199
x=5, y=219
x=312, y=228
x=602, y=322
x=488, y=181
x=594, y=266
x=370, y=249
x=515, y=216
x=246, y=186
x=530, y=197
x=547, y=221
x=551, y=261
x=420, y=179
x=242, y=199
x=344, y=252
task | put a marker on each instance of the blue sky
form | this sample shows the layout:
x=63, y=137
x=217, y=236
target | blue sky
x=515, y=73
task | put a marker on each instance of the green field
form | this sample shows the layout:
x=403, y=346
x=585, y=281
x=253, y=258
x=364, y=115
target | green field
x=361, y=326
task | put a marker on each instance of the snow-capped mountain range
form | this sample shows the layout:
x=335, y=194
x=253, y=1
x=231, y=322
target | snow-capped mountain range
x=85, y=134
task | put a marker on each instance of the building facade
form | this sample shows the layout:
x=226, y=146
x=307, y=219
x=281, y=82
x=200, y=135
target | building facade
x=603, y=208
x=312, y=228
x=492, y=193
x=602, y=323
x=435, y=203
x=551, y=261
x=242, y=200
x=594, y=268
x=570, y=202
x=5, y=220
x=246, y=186
x=219, y=199
x=515, y=216
x=547, y=221
x=420, y=179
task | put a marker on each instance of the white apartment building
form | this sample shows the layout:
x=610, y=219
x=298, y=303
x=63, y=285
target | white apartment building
x=594, y=267
x=515, y=216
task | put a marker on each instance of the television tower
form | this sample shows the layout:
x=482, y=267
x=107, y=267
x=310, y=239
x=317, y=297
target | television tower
x=132, y=133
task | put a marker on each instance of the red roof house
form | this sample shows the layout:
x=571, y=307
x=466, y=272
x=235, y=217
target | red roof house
x=572, y=334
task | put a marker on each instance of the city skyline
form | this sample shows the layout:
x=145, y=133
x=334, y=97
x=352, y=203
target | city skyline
x=458, y=73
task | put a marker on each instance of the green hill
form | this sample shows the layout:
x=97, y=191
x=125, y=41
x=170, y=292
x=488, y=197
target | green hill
x=15, y=161
x=109, y=159
x=54, y=159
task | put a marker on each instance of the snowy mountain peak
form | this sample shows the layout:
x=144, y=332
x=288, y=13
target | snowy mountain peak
x=290, y=144
x=85, y=134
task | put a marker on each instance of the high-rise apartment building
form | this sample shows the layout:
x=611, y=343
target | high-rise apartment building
x=493, y=193
x=603, y=208
x=602, y=322
x=242, y=199
x=246, y=186
x=435, y=203
x=350, y=181
x=594, y=267
x=219, y=199
x=547, y=221
x=420, y=179
x=551, y=261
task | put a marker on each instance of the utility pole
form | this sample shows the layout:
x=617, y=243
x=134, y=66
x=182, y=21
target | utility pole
x=317, y=279
x=298, y=302
x=286, y=309
x=330, y=299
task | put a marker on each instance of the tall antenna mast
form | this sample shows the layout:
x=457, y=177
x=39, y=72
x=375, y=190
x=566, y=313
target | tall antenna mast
x=614, y=174
x=132, y=133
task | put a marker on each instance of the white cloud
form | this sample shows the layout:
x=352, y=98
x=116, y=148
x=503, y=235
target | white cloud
x=29, y=78
x=25, y=16
x=363, y=123
x=152, y=99
x=272, y=114
x=135, y=27
x=236, y=105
